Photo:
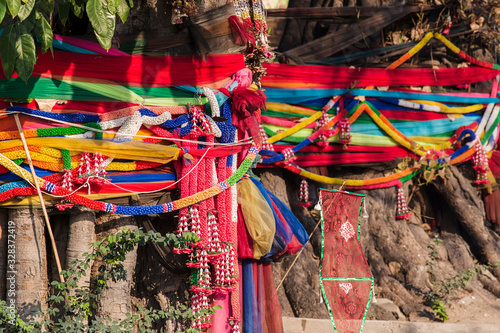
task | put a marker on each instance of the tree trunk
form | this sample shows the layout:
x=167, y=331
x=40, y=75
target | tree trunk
x=81, y=234
x=301, y=285
x=115, y=301
x=469, y=211
x=31, y=262
x=4, y=218
x=397, y=250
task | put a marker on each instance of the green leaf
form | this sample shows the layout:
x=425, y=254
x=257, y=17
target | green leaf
x=45, y=6
x=13, y=6
x=97, y=15
x=26, y=26
x=112, y=6
x=78, y=8
x=64, y=8
x=26, y=56
x=3, y=9
x=102, y=20
x=8, y=52
x=25, y=10
x=123, y=9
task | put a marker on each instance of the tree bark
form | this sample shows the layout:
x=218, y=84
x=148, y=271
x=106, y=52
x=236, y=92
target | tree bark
x=3, y=251
x=31, y=262
x=115, y=301
x=469, y=211
x=81, y=234
x=301, y=285
x=395, y=251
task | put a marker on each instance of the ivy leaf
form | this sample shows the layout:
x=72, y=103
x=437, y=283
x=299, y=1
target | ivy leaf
x=102, y=20
x=25, y=10
x=44, y=33
x=26, y=56
x=3, y=9
x=8, y=52
x=13, y=6
x=123, y=9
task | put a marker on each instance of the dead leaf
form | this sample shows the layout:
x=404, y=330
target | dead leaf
x=474, y=26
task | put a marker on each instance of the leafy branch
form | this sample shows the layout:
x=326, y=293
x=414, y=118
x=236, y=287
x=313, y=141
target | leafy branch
x=446, y=288
x=72, y=309
x=26, y=27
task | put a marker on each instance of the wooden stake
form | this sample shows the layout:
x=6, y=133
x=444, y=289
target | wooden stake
x=42, y=202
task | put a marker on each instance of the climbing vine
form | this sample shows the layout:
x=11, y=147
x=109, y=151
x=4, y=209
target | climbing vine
x=72, y=309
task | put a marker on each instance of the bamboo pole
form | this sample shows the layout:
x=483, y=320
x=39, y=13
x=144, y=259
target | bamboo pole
x=42, y=202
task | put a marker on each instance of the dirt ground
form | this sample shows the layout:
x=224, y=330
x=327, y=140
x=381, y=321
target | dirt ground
x=475, y=305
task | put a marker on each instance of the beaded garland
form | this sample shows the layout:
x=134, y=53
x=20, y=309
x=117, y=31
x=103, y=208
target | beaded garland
x=136, y=210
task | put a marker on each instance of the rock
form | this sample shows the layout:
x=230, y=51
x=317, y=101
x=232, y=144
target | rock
x=385, y=309
x=395, y=268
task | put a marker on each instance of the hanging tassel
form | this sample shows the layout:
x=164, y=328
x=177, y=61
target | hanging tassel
x=304, y=194
x=196, y=311
x=97, y=173
x=67, y=182
x=182, y=226
x=235, y=322
x=480, y=161
x=199, y=120
x=194, y=258
x=214, y=245
x=231, y=270
x=265, y=139
x=195, y=223
x=323, y=138
x=202, y=282
x=225, y=273
x=345, y=132
x=288, y=156
x=402, y=211
x=206, y=318
x=83, y=168
x=188, y=222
